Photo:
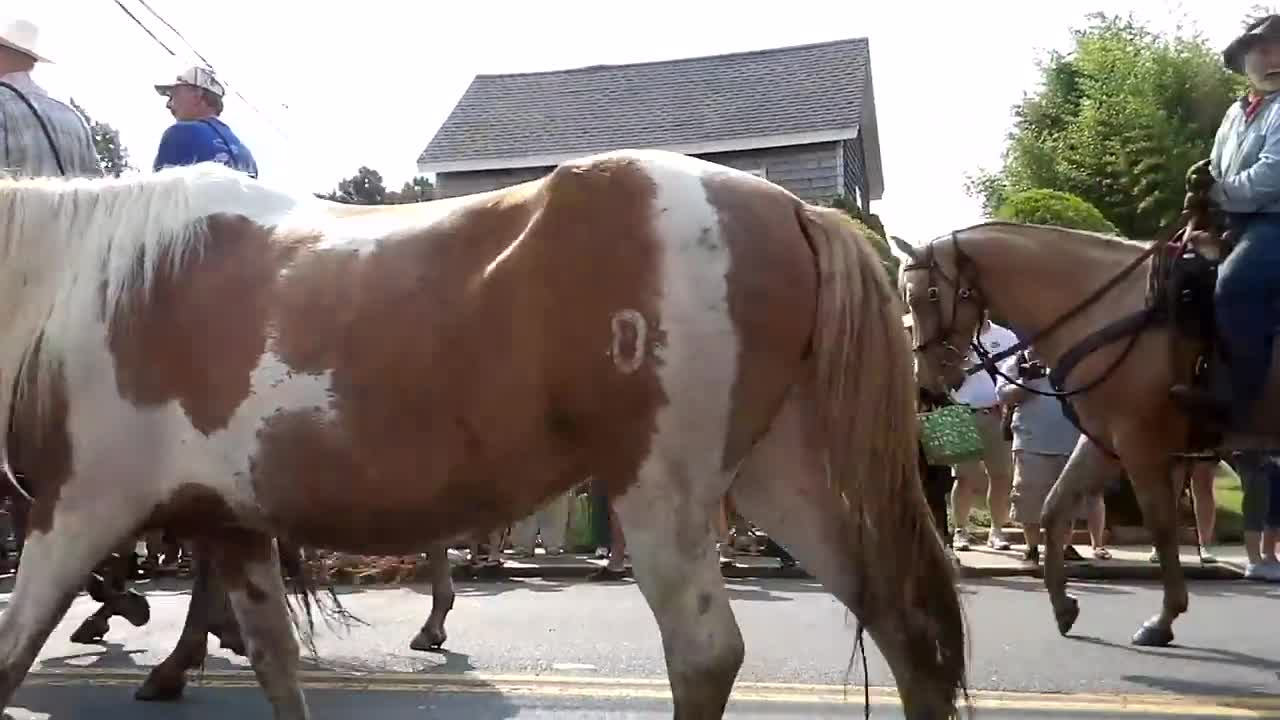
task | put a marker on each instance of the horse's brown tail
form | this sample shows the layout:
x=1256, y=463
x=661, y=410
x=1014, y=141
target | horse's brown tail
x=866, y=397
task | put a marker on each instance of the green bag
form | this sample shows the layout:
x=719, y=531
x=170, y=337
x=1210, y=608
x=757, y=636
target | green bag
x=581, y=530
x=949, y=435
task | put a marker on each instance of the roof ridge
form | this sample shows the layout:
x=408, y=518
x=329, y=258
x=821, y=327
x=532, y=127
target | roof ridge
x=675, y=61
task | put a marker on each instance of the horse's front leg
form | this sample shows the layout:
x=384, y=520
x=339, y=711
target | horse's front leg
x=433, y=635
x=1084, y=473
x=69, y=534
x=1159, y=513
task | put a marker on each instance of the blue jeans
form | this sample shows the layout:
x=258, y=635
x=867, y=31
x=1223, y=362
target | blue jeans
x=1260, y=482
x=1247, y=307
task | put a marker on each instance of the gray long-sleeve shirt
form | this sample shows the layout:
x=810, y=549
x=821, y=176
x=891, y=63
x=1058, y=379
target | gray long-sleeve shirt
x=1246, y=159
x=24, y=149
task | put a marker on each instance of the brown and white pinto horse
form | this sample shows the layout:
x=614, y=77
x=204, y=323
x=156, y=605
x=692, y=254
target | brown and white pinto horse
x=194, y=349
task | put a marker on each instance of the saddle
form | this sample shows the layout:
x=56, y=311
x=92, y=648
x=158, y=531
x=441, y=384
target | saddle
x=1180, y=292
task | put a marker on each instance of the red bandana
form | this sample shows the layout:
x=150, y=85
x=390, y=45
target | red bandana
x=1255, y=104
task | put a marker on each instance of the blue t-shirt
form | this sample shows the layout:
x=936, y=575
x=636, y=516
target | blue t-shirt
x=191, y=141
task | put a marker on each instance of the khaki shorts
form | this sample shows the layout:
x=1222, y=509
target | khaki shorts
x=1033, y=477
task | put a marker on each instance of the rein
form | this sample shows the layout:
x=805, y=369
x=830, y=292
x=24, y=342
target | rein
x=1131, y=326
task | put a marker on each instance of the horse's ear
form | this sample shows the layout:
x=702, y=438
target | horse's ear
x=902, y=250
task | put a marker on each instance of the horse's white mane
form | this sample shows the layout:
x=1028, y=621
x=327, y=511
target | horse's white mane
x=63, y=241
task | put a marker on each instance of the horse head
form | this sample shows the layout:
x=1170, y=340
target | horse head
x=939, y=285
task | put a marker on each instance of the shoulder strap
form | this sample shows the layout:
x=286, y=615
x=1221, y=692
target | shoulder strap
x=230, y=147
x=57, y=158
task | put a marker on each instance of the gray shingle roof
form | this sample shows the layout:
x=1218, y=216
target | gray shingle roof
x=780, y=91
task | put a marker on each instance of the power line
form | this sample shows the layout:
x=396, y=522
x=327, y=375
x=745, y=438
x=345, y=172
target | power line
x=202, y=58
x=144, y=4
x=145, y=28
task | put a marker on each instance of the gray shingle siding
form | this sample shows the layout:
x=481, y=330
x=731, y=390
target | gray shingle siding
x=453, y=184
x=855, y=171
x=812, y=172
x=809, y=171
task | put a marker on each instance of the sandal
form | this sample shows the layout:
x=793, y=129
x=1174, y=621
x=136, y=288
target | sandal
x=1102, y=553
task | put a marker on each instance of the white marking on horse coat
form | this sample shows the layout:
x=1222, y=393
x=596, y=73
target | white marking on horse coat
x=64, y=241
x=364, y=230
x=621, y=322
x=699, y=352
x=682, y=478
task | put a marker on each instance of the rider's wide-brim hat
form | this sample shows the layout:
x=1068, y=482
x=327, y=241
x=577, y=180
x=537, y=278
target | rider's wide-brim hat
x=23, y=36
x=1263, y=28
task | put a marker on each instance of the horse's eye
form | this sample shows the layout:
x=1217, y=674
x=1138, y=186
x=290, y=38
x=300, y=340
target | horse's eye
x=965, y=293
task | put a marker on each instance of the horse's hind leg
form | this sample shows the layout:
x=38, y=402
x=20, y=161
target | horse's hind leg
x=783, y=487
x=1085, y=471
x=249, y=566
x=667, y=521
x=432, y=635
x=168, y=679
x=57, y=558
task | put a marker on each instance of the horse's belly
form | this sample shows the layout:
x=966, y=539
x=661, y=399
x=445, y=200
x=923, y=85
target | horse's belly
x=320, y=485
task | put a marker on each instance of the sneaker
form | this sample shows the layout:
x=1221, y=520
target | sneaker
x=1266, y=571
x=996, y=540
x=960, y=540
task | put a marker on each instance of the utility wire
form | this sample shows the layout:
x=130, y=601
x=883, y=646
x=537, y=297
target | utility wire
x=202, y=58
x=144, y=28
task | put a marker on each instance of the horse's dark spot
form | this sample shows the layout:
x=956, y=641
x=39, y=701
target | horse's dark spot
x=560, y=423
x=704, y=603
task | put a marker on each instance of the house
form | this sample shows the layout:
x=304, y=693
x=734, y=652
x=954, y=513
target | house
x=802, y=116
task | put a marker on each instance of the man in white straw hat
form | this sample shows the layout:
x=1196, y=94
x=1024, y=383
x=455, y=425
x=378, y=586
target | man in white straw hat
x=39, y=135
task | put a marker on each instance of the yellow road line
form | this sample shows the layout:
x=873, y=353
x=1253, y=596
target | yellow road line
x=658, y=689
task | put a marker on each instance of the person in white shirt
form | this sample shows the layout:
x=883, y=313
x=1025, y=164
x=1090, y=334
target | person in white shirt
x=995, y=469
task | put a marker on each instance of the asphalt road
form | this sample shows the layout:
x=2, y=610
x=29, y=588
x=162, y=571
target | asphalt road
x=543, y=649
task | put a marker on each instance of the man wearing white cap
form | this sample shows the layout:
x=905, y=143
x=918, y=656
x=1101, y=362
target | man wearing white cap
x=199, y=135
x=39, y=136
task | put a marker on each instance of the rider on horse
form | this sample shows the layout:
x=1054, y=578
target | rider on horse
x=1242, y=178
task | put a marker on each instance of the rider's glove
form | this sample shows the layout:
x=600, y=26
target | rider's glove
x=1199, y=178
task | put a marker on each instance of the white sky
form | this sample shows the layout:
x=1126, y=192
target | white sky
x=368, y=83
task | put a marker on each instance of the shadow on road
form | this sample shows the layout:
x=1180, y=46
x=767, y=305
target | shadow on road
x=1219, y=693
x=204, y=702
x=1188, y=654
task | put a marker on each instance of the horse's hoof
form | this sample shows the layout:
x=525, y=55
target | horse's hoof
x=1153, y=635
x=91, y=631
x=133, y=606
x=154, y=690
x=1068, y=615
x=427, y=640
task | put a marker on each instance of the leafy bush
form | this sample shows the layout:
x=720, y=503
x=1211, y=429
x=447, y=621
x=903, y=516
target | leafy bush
x=1053, y=207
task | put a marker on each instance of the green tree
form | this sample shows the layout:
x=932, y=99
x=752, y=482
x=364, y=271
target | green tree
x=1116, y=122
x=112, y=155
x=1053, y=207
x=366, y=187
x=415, y=190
